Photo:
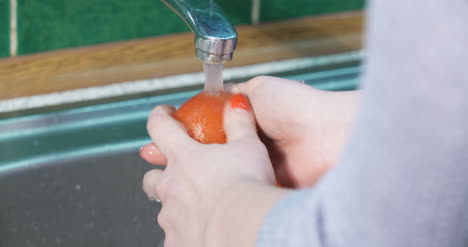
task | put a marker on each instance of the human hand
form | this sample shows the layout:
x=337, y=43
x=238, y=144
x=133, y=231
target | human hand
x=304, y=128
x=199, y=178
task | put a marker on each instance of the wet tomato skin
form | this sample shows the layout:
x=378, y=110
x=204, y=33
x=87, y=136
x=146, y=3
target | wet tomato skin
x=202, y=116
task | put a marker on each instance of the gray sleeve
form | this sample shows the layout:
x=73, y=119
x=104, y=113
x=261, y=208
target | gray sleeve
x=403, y=178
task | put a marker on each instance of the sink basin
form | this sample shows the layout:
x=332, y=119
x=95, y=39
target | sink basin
x=73, y=177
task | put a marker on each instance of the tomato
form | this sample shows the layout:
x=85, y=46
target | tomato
x=202, y=116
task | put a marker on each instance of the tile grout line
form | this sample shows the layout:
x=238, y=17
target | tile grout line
x=13, y=28
x=255, y=14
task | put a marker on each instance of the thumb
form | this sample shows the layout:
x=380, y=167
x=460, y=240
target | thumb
x=239, y=121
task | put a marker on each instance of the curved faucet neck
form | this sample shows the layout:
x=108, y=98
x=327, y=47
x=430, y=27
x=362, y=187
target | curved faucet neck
x=215, y=37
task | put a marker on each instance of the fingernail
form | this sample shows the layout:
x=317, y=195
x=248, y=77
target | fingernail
x=154, y=199
x=240, y=101
x=151, y=149
x=148, y=148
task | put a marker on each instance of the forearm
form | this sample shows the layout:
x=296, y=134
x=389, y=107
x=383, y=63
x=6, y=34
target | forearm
x=239, y=213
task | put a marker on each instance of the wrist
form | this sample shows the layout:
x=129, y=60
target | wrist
x=238, y=213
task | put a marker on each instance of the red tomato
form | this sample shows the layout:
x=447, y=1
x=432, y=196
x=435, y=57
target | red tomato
x=202, y=116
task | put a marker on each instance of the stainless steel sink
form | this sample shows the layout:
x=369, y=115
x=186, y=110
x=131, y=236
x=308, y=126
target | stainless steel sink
x=73, y=177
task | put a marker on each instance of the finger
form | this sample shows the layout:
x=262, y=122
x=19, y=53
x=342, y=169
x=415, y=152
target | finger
x=239, y=121
x=232, y=88
x=150, y=183
x=166, y=132
x=152, y=154
x=249, y=87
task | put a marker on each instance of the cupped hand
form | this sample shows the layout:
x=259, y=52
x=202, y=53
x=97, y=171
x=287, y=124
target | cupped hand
x=198, y=176
x=304, y=128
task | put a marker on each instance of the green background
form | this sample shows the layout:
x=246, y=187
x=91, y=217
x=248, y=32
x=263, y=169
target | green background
x=272, y=10
x=56, y=24
x=4, y=28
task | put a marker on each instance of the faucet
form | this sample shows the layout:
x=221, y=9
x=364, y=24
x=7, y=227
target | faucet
x=215, y=37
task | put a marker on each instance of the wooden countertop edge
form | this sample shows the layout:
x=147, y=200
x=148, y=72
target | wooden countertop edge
x=174, y=54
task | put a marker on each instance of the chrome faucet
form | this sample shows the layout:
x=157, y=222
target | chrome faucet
x=215, y=37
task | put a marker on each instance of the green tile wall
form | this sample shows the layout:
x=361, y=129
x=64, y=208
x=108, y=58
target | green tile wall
x=54, y=24
x=238, y=11
x=4, y=28
x=272, y=10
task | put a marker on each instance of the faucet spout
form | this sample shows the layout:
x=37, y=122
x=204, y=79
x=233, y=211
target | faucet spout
x=215, y=37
